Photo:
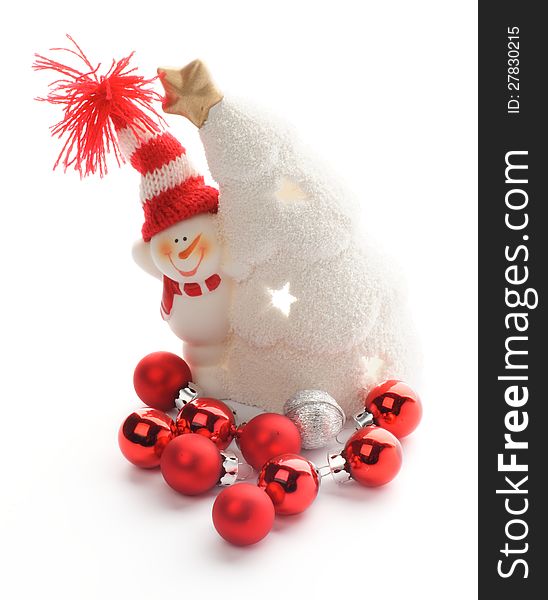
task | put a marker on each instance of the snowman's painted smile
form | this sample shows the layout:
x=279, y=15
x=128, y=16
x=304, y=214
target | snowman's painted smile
x=185, y=254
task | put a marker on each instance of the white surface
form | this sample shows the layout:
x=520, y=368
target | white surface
x=387, y=91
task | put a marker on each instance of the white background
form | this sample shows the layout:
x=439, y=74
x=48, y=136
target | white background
x=386, y=91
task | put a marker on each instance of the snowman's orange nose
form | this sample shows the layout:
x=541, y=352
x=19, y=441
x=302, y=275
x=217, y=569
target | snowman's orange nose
x=189, y=249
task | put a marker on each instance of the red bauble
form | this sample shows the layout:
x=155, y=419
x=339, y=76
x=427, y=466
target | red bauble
x=210, y=418
x=158, y=378
x=144, y=435
x=395, y=406
x=243, y=514
x=191, y=464
x=291, y=481
x=373, y=456
x=268, y=435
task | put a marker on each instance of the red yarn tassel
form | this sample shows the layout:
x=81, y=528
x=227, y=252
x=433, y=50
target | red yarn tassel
x=95, y=106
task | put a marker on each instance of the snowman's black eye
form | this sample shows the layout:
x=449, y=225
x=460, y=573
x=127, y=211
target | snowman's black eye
x=176, y=241
x=184, y=239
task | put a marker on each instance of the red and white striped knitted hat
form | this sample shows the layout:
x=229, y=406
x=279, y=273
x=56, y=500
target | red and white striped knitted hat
x=171, y=189
x=114, y=112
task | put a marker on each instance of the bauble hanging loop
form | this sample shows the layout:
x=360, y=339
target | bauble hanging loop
x=336, y=467
x=230, y=469
x=187, y=394
x=364, y=419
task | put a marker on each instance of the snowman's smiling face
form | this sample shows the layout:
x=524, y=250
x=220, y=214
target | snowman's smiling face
x=189, y=250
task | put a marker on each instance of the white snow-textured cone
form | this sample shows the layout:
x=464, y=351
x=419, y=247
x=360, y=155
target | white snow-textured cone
x=313, y=305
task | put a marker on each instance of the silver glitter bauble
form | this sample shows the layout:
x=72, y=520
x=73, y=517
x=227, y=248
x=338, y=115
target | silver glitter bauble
x=317, y=416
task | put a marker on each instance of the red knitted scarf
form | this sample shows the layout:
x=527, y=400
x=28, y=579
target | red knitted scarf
x=172, y=289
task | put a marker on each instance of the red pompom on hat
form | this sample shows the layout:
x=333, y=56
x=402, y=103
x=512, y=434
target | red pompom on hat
x=114, y=112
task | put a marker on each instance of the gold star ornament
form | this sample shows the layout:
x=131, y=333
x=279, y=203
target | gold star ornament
x=190, y=92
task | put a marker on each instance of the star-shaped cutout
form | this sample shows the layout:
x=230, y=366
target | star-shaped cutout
x=282, y=299
x=289, y=191
x=190, y=92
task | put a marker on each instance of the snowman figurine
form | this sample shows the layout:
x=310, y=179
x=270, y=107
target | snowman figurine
x=180, y=245
x=114, y=113
x=270, y=281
